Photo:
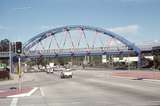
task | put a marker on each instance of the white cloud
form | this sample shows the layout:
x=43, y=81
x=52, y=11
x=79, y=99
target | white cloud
x=3, y=27
x=21, y=8
x=130, y=29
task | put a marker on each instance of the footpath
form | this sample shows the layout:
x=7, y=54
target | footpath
x=16, y=91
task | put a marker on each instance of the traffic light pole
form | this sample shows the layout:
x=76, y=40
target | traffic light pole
x=19, y=73
x=19, y=51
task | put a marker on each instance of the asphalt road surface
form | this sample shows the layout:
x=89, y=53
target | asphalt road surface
x=86, y=88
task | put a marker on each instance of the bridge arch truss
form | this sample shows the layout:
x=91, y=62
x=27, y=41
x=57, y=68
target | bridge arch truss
x=33, y=41
x=67, y=36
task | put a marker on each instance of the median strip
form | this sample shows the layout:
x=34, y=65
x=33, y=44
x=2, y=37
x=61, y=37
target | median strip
x=25, y=94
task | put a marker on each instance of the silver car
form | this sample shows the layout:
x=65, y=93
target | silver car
x=66, y=74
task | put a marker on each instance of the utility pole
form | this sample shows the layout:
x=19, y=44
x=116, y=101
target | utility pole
x=128, y=61
x=10, y=56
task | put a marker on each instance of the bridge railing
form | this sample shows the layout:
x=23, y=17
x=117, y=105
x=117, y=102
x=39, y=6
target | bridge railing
x=4, y=54
x=147, y=46
x=143, y=47
x=89, y=50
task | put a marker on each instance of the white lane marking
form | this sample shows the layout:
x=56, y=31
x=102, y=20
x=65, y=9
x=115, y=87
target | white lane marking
x=75, y=102
x=32, y=91
x=19, y=95
x=42, y=92
x=14, y=102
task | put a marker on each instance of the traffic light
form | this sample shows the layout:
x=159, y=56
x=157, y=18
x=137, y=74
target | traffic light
x=18, y=47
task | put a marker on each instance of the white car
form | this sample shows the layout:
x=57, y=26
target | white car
x=66, y=74
x=49, y=70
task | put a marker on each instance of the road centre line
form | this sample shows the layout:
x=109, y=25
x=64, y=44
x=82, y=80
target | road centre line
x=42, y=92
x=14, y=102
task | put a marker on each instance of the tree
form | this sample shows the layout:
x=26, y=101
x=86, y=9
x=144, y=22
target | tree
x=4, y=45
x=41, y=61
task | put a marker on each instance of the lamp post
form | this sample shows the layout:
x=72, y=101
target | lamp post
x=10, y=56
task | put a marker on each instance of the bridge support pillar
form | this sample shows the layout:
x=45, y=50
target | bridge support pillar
x=139, y=60
x=86, y=60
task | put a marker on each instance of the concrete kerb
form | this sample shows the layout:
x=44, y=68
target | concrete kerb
x=24, y=94
x=131, y=78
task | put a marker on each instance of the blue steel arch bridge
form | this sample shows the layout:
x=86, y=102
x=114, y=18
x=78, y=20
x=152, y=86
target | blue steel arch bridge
x=78, y=40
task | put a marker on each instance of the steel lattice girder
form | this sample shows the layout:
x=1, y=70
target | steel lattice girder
x=33, y=41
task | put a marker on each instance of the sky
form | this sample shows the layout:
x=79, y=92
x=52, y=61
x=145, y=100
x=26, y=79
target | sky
x=136, y=20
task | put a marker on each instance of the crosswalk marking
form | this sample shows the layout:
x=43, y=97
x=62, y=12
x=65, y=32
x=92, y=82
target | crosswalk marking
x=14, y=102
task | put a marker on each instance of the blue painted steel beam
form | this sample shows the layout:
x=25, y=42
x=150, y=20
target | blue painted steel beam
x=69, y=54
x=33, y=41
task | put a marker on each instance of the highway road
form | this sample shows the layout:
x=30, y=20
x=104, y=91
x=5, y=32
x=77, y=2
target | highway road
x=86, y=88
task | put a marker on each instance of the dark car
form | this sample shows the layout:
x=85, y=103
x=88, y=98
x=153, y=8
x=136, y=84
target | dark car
x=4, y=73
